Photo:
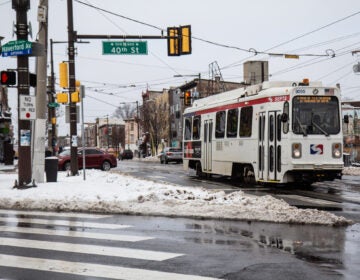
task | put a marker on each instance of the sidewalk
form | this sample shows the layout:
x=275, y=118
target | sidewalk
x=8, y=168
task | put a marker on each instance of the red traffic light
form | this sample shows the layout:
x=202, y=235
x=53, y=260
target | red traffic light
x=8, y=78
x=187, y=98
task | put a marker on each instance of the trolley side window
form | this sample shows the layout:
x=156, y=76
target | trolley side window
x=187, y=131
x=196, y=128
x=220, y=124
x=246, y=121
x=232, y=123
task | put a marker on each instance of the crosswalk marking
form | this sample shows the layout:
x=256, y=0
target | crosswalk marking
x=62, y=223
x=89, y=249
x=92, y=270
x=53, y=214
x=80, y=234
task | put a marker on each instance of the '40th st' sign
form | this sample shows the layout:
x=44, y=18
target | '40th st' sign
x=125, y=47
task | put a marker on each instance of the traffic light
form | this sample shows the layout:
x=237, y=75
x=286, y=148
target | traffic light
x=63, y=73
x=8, y=78
x=179, y=40
x=75, y=97
x=62, y=97
x=187, y=98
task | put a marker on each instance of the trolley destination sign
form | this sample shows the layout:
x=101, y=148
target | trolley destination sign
x=125, y=47
x=15, y=48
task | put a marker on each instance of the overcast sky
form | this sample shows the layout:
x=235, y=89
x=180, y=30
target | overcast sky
x=278, y=26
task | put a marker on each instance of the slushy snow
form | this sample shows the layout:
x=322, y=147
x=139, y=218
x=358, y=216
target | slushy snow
x=111, y=192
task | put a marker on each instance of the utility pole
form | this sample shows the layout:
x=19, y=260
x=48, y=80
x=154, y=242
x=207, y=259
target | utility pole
x=40, y=122
x=72, y=88
x=24, y=133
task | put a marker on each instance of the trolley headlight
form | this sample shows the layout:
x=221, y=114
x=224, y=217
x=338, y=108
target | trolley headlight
x=336, y=150
x=296, y=150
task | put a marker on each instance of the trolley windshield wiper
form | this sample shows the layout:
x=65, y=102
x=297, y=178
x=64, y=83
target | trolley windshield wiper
x=320, y=128
x=301, y=126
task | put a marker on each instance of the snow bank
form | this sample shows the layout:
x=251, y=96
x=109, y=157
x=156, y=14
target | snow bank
x=351, y=170
x=108, y=192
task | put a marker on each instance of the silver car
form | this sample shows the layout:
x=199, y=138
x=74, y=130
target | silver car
x=171, y=155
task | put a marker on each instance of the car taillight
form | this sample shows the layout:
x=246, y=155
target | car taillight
x=168, y=154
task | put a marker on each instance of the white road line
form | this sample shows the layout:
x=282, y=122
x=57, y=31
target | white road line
x=89, y=249
x=70, y=233
x=53, y=214
x=309, y=199
x=62, y=223
x=92, y=270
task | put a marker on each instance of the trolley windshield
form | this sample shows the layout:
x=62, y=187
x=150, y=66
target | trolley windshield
x=315, y=115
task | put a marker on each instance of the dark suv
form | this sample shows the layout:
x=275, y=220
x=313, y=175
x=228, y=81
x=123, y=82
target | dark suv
x=171, y=154
x=126, y=154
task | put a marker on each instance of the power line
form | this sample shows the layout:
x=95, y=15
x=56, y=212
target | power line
x=250, y=50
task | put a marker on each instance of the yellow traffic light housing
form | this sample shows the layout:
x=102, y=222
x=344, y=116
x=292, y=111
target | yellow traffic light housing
x=187, y=98
x=63, y=73
x=75, y=97
x=62, y=97
x=179, y=40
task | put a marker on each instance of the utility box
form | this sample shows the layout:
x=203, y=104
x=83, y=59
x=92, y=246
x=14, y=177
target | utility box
x=256, y=72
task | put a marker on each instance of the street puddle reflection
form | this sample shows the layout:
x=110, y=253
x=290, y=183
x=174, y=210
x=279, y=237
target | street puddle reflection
x=322, y=245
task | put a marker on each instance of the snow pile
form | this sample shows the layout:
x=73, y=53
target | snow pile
x=351, y=170
x=108, y=192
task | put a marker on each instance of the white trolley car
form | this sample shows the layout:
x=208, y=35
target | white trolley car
x=274, y=132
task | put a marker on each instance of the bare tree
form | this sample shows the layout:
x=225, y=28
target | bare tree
x=125, y=111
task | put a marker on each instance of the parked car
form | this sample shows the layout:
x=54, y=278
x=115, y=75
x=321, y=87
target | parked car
x=94, y=158
x=126, y=154
x=171, y=155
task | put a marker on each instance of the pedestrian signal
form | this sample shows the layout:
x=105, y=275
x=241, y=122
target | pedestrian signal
x=8, y=78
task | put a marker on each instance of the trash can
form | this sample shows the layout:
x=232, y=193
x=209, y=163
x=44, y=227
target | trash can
x=8, y=153
x=51, y=169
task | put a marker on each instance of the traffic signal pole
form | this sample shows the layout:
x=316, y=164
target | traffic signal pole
x=72, y=88
x=24, y=133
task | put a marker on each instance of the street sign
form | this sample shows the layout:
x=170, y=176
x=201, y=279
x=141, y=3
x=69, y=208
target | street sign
x=53, y=105
x=125, y=47
x=15, y=48
x=27, y=107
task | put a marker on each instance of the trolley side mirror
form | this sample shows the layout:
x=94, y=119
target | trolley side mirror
x=346, y=119
x=284, y=117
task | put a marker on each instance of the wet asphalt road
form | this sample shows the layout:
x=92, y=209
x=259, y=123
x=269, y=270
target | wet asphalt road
x=70, y=246
x=202, y=248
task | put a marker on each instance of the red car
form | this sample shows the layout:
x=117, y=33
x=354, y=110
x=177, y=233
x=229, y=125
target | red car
x=94, y=158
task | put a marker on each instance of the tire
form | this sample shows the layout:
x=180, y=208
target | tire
x=106, y=166
x=67, y=166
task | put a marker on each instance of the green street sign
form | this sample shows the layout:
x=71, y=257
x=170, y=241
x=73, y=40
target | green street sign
x=125, y=47
x=53, y=105
x=15, y=48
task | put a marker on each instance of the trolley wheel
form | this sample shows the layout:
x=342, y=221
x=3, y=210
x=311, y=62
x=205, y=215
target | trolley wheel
x=249, y=176
x=199, y=172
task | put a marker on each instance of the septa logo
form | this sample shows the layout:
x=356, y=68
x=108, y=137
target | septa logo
x=316, y=149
